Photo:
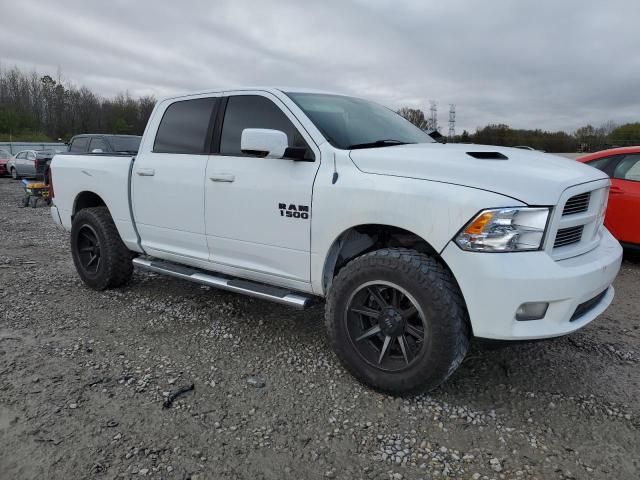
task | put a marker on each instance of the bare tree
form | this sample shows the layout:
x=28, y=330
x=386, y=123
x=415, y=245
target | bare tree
x=415, y=116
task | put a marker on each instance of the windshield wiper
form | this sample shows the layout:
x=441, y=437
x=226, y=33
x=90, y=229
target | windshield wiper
x=378, y=143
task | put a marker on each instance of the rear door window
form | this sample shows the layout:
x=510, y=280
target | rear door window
x=79, y=145
x=185, y=127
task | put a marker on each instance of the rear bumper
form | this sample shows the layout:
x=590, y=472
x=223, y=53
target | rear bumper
x=495, y=285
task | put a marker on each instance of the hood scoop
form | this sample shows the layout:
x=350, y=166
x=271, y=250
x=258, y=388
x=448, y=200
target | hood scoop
x=488, y=155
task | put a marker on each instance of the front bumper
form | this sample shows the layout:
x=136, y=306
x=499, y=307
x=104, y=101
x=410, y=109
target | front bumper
x=494, y=285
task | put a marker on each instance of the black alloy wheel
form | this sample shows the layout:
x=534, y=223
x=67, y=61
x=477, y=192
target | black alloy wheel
x=89, y=249
x=385, y=326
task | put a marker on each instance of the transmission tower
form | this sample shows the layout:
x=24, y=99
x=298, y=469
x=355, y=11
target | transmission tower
x=433, y=108
x=452, y=122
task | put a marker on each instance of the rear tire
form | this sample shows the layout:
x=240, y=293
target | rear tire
x=412, y=344
x=100, y=257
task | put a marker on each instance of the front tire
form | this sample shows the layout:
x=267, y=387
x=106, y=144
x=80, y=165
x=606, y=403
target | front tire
x=14, y=173
x=100, y=257
x=397, y=321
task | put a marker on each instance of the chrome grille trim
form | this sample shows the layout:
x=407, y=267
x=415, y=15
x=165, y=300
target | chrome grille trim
x=577, y=204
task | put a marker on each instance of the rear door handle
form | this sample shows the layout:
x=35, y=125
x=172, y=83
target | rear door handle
x=146, y=172
x=222, y=177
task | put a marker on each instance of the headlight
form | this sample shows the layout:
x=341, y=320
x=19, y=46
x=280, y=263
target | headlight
x=505, y=230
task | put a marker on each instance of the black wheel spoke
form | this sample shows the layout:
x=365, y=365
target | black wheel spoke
x=366, y=311
x=409, y=312
x=369, y=333
x=92, y=259
x=414, y=332
x=395, y=297
x=89, y=238
x=375, y=293
x=86, y=249
x=406, y=351
x=385, y=348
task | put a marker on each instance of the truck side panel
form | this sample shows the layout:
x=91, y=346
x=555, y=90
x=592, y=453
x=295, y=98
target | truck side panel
x=106, y=176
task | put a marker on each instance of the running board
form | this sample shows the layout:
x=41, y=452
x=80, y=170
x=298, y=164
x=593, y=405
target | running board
x=247, y=287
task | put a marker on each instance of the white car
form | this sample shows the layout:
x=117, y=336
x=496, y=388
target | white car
x=289, y=194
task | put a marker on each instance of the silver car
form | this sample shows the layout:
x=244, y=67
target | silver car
x=30, y=163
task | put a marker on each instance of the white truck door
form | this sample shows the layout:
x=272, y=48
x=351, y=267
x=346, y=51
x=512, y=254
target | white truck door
x=168, y=178
x=258, y=210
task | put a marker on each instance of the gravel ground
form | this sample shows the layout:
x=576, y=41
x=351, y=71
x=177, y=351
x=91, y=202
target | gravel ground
x=83, y=377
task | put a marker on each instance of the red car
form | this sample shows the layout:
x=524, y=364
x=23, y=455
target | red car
x=4, y=158
x=623, y=212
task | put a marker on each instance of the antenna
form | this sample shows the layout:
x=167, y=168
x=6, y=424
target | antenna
x=433, y=108
x=452, y=122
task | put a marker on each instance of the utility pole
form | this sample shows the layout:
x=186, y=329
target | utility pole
x=433, y=108
x=452, y=122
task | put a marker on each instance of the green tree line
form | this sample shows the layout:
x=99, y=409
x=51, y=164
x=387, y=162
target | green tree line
x=36, y=107
x=584, y=139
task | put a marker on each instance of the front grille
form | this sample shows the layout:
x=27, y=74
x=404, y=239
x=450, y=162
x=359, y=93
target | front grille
x=568, y=236
x=587, y=306
x=577, y=204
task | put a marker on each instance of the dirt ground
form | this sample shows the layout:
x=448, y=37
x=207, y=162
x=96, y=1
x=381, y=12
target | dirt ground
x=83, y=376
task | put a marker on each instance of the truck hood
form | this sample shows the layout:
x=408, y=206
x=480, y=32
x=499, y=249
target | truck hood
x=531, y=177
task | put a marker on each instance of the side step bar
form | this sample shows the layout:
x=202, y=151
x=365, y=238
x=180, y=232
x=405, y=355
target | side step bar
x=247, y=287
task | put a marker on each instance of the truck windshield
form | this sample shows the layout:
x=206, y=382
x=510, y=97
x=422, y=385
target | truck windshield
x=349, y=123
x=125, y=144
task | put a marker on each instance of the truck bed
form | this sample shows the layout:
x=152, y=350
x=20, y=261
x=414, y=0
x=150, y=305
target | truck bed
x=107, y=176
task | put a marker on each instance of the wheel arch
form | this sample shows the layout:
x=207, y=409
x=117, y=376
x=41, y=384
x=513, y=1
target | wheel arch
x=87, y=199
x=363, y=238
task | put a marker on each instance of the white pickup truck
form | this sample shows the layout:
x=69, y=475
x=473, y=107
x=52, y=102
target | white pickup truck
x=288, y=195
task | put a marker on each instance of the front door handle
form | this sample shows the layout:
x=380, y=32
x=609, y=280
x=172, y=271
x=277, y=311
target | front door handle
x=222, y=177
x=146, y=172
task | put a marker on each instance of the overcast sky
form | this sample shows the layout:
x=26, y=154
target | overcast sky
x=551, y=64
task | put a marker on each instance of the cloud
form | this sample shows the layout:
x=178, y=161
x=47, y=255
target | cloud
x=529, y=64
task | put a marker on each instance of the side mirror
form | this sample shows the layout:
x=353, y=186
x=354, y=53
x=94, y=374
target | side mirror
x=264, y=142
x=97, y=150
